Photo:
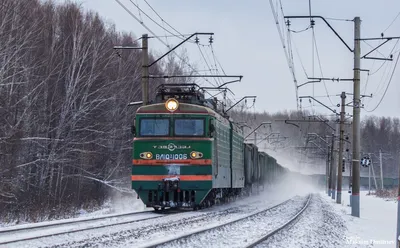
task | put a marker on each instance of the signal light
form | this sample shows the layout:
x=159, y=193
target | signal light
x=343, y=166
x=146, y=155
x=171, y=104
x=195, y=155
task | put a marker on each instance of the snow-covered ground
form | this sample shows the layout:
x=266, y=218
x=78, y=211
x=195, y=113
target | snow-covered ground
x=377, y=222
x=323, y=224
x=138, y=232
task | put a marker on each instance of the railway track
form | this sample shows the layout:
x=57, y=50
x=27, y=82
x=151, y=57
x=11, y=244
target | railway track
x=17, y=233
x=286, y=224
x=214, y=228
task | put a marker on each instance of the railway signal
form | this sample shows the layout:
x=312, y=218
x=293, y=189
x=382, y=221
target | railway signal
x=365, y=161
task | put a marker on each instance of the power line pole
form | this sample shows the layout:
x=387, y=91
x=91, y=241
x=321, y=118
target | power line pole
x=341, y=145
x=381, y=165
x=327, y=172
x=145, y=69
x=355, y=206
x=398, y=212
x=332, y=167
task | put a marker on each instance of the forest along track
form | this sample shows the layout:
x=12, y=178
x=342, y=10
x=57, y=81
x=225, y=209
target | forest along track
x=237, y=232
x=32, y=231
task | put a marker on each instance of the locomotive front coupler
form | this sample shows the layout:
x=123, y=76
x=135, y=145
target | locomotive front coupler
x=171, y=184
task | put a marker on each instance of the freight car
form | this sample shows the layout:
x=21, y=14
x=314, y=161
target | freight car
x=187, y=154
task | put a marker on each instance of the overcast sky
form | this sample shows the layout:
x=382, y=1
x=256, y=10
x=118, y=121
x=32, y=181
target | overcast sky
x=246, y=42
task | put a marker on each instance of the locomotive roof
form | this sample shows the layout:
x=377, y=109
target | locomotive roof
x=184, y=108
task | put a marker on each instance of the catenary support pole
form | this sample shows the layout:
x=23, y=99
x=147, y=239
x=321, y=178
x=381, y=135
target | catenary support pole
x=369, y=179
x=398, y=211
x=350, y=183
x=341, y=145
x=333, y=168
x=145, y=69
x=327, y=171
x=355, y=206
x=330, y=164
x=381, y=166
x=373, y=173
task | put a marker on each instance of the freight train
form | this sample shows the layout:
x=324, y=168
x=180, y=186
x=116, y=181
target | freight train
x=188, y=154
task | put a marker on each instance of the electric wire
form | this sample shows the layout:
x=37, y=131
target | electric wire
x=275, y=14
x=174, y=35
x=381, y=66
x=320, y=67
x=210, y=60
x=165, y=44
x=208, y=66
x=387, y=87
x=159, y=25
x=391, y=23
x=216, y=58
x=163, y=19
x=301, y=62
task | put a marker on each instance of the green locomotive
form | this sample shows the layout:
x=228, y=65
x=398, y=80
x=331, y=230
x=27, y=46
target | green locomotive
x=186, y=154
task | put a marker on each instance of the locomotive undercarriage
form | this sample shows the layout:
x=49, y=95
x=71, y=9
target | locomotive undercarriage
x=169, y=195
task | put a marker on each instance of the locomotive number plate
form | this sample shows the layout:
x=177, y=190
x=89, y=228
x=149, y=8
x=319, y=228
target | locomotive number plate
x=171, y=156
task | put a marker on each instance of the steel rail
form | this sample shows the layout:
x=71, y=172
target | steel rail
x=180, y=237
x=15, y=231
x=270, y=234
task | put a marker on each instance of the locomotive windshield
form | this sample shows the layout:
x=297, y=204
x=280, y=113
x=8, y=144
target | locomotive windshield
x=154, y=127
x=189, y=127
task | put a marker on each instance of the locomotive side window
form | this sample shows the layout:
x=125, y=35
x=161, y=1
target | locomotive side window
x=154, y=127
x=189, y=127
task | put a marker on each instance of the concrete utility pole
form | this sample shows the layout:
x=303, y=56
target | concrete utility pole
x=332, y=169
x=327, y=172
x=369, y=179
x=398, y=212
x=373, y=172
x=341, y=145
x=355, y=206
x=381, y=165
x=145, y=69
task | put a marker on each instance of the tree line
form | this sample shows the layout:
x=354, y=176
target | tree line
x=65, y=137
x=298, y=140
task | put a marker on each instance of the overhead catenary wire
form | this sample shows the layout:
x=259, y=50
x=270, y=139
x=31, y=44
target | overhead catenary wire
x=387, y=87
x=275, y=14
x=398, y=14
x=157, y=37
x=208, y=66
x=320, y=67
x=163, y=19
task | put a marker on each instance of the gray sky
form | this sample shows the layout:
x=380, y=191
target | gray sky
x=246, y=42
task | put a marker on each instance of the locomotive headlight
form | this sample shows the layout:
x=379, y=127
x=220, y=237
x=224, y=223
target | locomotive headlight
x=195, y=155
x=171, y=104
x=146, y=155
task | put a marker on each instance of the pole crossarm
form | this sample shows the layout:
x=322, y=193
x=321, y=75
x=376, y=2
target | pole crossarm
x=245, y=97
x=309, y=82
x=175, y=47
x=327, y=23
x=230, y=82
x=333, y=110
x=333, y=79
x=262, y=123
x=218, y=88
x=315, y=134
x=266, y=137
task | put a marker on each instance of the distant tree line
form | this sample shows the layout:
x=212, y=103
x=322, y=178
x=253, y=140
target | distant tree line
x=377, y=134
x=65, y=135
